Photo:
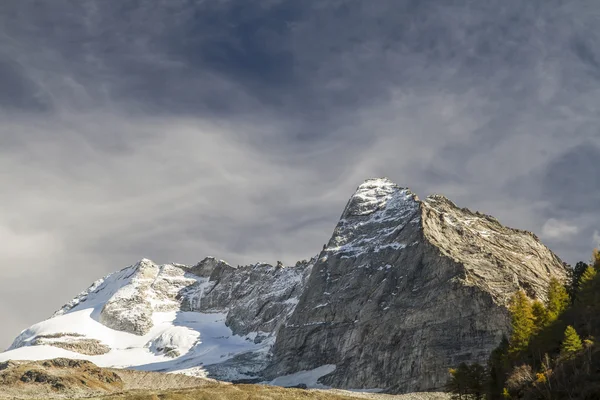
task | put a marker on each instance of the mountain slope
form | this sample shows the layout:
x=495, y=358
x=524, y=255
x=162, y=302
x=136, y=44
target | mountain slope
x=403, y=290
x=171, y=318
x=406, y=289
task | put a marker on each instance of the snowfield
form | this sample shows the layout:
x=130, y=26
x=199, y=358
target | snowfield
x=199, y=339
x=178, y=341
x=309, y=378
x=165, y=318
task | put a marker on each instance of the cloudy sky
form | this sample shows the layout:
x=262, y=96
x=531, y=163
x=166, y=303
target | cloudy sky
x=178, y=129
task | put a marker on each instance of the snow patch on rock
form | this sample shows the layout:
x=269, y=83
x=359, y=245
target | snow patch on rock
x=373, y=217
x=309, y=378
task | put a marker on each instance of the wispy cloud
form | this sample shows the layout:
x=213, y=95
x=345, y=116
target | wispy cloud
x=555, y=229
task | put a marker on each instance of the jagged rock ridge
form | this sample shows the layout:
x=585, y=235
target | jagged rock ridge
x=403, y=290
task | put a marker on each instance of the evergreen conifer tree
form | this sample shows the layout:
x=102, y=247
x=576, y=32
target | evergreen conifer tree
x=571, y=343
x=586, y=295
x=458, y=384
x=558, y=300
x=587, y=277
x=596, y=260
x=576, y=274
x=477, y=382
x=540, y=315
x=467, y=382
x=588, y=300
x=522, y=322
x=498, y=367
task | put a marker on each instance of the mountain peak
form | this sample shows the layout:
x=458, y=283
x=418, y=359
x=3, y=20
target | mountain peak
x=206, y=267
x=375, y=195
x=376, y=187
x=374, y=213
x=418, y=286
x=381, y=181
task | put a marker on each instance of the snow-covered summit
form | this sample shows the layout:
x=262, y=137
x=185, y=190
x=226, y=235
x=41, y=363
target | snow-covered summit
x=375, y=213
x=372, y=195
x=129, y=297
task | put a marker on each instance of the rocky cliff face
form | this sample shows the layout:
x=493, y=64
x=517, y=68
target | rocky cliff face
x=257, y=298
x=405, y=289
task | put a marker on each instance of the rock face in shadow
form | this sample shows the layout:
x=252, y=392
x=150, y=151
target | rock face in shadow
x=406, y=289
x=257, y=298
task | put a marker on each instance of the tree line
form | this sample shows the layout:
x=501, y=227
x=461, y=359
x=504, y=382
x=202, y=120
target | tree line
x=551, y=352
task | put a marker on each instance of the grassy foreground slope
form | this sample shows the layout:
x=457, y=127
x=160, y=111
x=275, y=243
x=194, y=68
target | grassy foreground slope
x=262, y=392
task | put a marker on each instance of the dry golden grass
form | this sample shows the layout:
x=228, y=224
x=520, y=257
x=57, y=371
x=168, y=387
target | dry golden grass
x=261, y=392
x=77, y=379
x=69, y=378
x=229, y=392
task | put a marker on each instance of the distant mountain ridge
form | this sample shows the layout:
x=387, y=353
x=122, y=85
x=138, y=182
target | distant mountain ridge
x=404, y=289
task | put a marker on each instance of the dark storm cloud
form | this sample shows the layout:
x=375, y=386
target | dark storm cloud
x=184, y=128
x=572, y=180
x=18, y=92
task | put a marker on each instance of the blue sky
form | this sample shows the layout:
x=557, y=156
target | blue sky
x=179, y=129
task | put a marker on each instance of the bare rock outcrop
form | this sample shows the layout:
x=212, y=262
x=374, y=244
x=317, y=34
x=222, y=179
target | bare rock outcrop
x=257, y=298
x=406, y=289
x=57, y=378
x=73, y=342
x=146, y=288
